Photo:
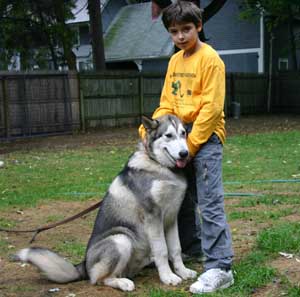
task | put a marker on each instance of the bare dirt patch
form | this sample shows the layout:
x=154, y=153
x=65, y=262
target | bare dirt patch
x=25, y=281
x=290, y=269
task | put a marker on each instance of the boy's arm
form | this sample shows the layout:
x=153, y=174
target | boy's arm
x=211, y=109
x=165, y=107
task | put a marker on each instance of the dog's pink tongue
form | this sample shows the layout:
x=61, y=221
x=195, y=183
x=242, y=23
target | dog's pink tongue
x=181, y=163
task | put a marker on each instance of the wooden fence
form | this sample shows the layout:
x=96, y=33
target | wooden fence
x=38, y=103
x=46, y=103
x=286, y=93
x=117, y=98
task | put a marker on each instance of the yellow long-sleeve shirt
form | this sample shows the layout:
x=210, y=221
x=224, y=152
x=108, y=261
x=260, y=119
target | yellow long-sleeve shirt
x=194, y=90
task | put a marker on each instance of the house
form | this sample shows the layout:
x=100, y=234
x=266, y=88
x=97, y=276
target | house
x=83, y=49
x=245, y=46
x=240, y=43
x=133, y=36
x=134, y=41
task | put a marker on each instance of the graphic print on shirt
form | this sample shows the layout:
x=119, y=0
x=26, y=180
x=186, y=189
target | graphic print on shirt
x=182, y=87
x=176, y=86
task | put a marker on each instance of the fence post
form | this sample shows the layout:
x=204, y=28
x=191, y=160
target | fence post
x=6, y=109
x=82, y=112
x=141, y=94
x=68, y=118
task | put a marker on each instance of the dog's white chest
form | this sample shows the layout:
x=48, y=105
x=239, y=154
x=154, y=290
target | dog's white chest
x=168, y=193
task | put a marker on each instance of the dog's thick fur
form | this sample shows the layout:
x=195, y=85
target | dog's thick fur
x=137, y=222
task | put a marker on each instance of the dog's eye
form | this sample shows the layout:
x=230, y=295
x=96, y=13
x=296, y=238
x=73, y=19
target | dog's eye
x=183, y=133
x=169, y=135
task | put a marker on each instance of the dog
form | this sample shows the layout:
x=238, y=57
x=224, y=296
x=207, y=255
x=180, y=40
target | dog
x=137, y=222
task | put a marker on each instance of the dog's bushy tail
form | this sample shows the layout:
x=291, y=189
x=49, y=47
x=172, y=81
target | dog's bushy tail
x=53, y=266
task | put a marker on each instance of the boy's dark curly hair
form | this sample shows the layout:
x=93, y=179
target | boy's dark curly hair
x=181, y=12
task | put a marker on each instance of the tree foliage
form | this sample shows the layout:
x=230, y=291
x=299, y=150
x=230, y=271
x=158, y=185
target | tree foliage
x=275, y=11
x=28, y=25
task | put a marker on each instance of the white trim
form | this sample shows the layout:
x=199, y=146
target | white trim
x=261, y=57
x=259, y=50
x=139, y=64
x=238, y=51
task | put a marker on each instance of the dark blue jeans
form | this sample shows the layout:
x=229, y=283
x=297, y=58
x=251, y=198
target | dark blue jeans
x=202, y=220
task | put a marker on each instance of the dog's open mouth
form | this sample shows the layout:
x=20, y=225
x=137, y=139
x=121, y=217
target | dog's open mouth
x=180, y=163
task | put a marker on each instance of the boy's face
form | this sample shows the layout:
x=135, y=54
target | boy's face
x=185, y=36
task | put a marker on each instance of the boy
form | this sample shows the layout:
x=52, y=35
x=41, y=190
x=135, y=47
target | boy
x=194, y=90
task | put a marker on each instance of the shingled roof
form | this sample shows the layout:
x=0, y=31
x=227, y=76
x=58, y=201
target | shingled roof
x=80, y=11
x=133, y=35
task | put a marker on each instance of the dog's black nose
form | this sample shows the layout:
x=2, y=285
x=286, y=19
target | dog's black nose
x=183, y=154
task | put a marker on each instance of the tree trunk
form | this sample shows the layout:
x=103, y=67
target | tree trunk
x=48, y=40
x=67, y=45
x=293, y=48
x=24, y=59
x=270, y=82
x=211, y=9
x=94, y=9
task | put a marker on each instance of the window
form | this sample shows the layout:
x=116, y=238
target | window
x=85, y=66
x=283, y=64
x=84, y=35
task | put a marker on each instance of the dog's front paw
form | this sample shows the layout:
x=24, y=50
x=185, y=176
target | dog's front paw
x=126, y=284
x=186, y=273
x=170, y=279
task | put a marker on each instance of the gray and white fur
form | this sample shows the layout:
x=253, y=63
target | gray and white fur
x=137, y=221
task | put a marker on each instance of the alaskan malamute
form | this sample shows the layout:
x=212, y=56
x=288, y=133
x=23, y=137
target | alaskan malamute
x=137, y=221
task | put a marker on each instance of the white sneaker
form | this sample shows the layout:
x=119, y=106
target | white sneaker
x=212, y=280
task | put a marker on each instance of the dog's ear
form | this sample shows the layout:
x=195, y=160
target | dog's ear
x=149, y=123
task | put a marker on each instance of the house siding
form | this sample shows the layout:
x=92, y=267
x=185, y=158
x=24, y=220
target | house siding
x=237, y=41
x=241, y=62
x=226, y=31
x=282, y=46
x=156, y=65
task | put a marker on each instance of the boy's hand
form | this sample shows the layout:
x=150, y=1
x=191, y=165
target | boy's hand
x=144, y=141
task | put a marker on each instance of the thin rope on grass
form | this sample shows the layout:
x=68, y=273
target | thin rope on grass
x=263, y=181
x=243, y=195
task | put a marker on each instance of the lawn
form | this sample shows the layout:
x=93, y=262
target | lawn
x=261, y=173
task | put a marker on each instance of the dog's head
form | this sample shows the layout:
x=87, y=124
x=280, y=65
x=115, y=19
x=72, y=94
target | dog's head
x=165, y=141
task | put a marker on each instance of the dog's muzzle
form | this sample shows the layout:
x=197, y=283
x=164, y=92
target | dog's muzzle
x=181, y=163
x=182, y=160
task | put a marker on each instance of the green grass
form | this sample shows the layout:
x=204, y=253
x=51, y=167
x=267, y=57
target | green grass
x=81, y=174
x=3, y=246
x=54, y=218
x=272, y=199
x=5, y=223
x=294, y=291
x=163, y=293
x=283, y=237
x=71, y=247
x=29, y=177
x=252, y=271
x=261, y=157
x=260, y=216
x=252, y=164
